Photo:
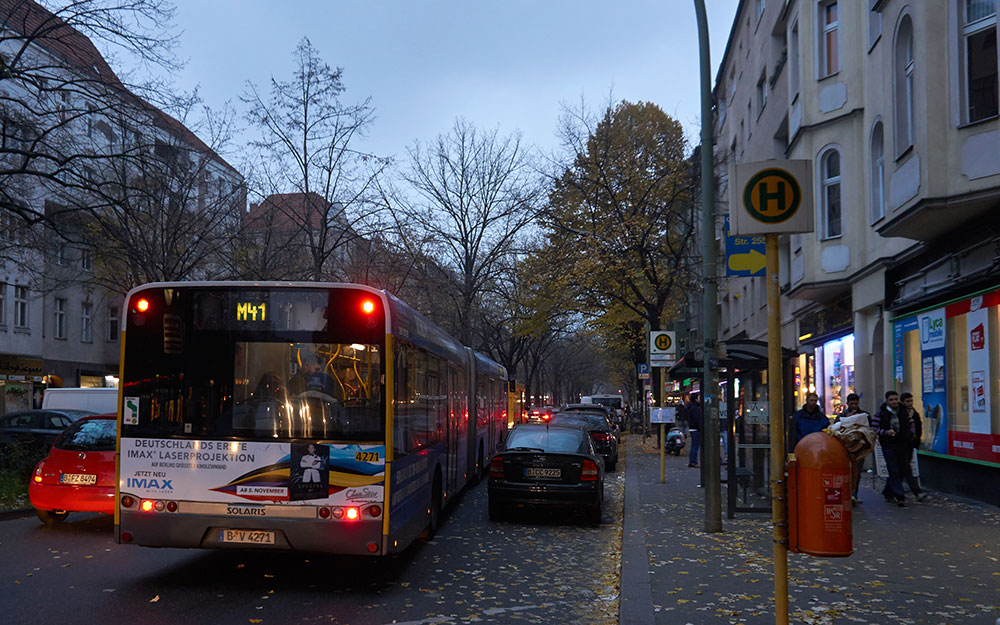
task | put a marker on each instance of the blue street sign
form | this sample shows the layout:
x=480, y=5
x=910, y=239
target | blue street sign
x=745, y=255
x=643, y=371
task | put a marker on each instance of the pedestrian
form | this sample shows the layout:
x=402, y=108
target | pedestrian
x=906, y=400
x=694, y=428
x=853, y=409
x=895, y=433
x=809, y=419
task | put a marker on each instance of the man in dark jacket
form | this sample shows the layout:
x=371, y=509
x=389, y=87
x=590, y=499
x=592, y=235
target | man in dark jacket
x=906, y=405
x=809, y=419
x=894, y=429
x=694, y=428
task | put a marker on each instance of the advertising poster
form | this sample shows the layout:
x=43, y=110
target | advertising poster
x=234, y=471
x=933, y=363
x=978, y=325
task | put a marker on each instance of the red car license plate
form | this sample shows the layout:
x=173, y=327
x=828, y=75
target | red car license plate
x=542, y=472
x=252, y=537
x=78, y=478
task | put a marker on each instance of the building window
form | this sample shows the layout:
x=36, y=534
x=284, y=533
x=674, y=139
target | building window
x=85, y=322
x=20, y=306
x=61, y=253
x=114, y=329
x=760, y=8
x=3, y=303
x=874, y=22
x=762, y=92
x=86, y=258
x=904, y=73
x=830, y=170
x=829, y=48
x=60, y=318
x=979, y=32
x=878, y=174
x=793, y=61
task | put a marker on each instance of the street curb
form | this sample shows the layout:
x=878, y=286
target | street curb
x=16, y=514
x=636, y=606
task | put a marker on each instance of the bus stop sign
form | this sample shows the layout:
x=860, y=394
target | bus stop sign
x=775, y=197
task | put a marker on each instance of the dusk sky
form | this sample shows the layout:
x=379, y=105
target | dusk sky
x=509, y=64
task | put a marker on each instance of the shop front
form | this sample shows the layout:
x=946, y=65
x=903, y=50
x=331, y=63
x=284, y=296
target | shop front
x=948, y=356
x=825, y=363
x=21, y=383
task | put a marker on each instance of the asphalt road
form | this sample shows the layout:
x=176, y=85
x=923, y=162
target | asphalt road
x=533, y=568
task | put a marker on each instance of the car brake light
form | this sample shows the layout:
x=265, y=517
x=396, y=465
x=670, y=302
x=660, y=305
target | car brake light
x=600, y=436
x=496, y=467
x=589, y=472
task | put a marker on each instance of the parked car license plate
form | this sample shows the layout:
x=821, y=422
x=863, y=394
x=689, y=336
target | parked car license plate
x=78, y=478
x=253, y=537
x=542, y=472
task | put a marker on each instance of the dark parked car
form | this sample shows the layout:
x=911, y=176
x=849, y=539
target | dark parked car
x=602, y=433
x=37, y=427
x=546, y=465
x=609, y=414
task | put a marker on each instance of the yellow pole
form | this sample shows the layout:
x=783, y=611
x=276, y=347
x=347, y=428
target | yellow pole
x=774, y=392
x=663, y=456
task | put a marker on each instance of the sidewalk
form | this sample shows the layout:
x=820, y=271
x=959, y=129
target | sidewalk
x=936, y=562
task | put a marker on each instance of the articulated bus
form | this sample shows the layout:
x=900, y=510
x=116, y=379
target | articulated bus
x=297, y=416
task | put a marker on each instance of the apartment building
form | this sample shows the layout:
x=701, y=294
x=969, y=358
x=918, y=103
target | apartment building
x=73, y=131
x=894, y=102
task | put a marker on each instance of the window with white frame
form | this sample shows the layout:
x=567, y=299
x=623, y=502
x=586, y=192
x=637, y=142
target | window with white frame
x=114, y=328
x=86, y=258
x=830, y=189
x=20, y=306
x=760, y=8
x=61, y=253
x=86, y=333
x=877, y=173
x=903, y=75
x=829, y=43
x=793, y=61
x=59, y=318
x=874, y=22
x=979, y=55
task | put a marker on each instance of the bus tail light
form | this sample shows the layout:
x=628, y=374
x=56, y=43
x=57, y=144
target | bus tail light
x=128, y=501
x=126, y=537
x=338, y=513
x=375, y=510
x=142, y=305
x=496, y=467
x=146, y=505
x=372, y=547
x=324, y=513
x=589, y=472
x=171, y=506
x=352, y=514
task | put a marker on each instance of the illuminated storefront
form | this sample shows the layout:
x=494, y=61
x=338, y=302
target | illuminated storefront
x=949, y=358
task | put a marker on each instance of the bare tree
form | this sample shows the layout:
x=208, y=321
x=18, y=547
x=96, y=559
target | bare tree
x=307, y=149
x=471, y=194
x=57, y=93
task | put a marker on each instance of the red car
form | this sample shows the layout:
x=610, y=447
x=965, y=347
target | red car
x=78, y=475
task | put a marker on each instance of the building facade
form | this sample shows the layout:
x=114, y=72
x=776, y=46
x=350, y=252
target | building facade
x=894, y=103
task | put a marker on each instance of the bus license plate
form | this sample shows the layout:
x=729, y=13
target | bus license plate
x=541, y=472
x=78, y=478
x=252, y=537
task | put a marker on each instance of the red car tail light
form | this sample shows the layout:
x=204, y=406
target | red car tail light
x=496, y=467
x=600, y=436
x=589, y=472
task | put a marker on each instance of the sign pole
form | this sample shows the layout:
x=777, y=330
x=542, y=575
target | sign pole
x=775, y=390
x=663, y=455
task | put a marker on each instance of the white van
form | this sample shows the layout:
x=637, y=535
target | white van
x=96, y=400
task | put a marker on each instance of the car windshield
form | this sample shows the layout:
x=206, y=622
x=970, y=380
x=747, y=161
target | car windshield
x=554, y=440
x=88, y=435
x=591, y=421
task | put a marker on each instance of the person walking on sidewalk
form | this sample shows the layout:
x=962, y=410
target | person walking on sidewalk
x=906, y=401
x=694, y=428
x=809, y=419
x=895, y=434
x=853, y=409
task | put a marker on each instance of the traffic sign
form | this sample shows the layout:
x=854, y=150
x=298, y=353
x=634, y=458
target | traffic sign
x=643, y=371
x=662, y=342
x=773, y=197
x=745, y=256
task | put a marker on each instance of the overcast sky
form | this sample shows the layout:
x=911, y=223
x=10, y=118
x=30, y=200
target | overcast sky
x=498, y=63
